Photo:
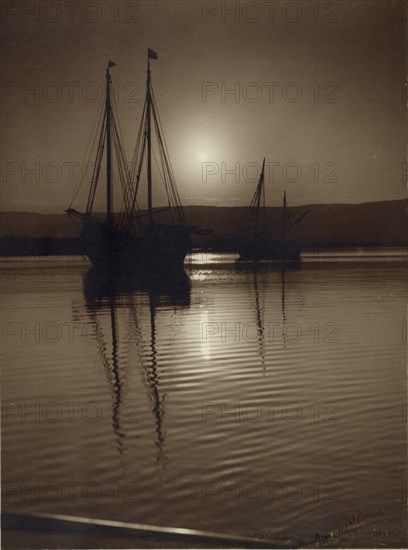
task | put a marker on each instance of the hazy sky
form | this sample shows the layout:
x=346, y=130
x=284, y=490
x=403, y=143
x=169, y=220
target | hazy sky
x=317, y=89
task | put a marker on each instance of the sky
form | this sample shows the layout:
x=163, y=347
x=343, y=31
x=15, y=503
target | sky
x=317, y=88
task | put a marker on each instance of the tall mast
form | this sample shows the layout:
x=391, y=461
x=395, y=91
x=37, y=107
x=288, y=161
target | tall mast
x=284, y=215
x=151, y=54
x=149, y=147
x=259, y=194
x=108, y=147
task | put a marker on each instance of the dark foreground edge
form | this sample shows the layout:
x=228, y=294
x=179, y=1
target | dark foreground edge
x=59, y=531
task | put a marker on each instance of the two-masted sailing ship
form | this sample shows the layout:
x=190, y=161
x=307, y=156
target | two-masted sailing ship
x=152, y=241
x=257, y=243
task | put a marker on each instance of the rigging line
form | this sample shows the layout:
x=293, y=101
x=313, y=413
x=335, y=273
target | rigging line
x=172, y=199
x=137, y=182
x=172, y=196
x=87, y=155
x=120, y=143
x=167, y=178
x=98, y=160
x=167, y=188
x=132, y=203
x=97, y=168
x=124, y=176
x=94, y=181
x=176, y=199
x=157, y=165
x=121, y=150
x=140, y=160
x=137, y=158
x=120, y=175
x=136, y=150
x=74, y=220
x=92, y=138
x=141, y=134
x=162, y=175
x=251, y=213
x=167, y=158
x=166, y=184
x=171, y=180
x=159, y=131
x=135, y=205
x=122, y=165
x=116, y=117
x=172, y=184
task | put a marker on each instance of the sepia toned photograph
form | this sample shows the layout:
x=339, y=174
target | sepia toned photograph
x=204, y=274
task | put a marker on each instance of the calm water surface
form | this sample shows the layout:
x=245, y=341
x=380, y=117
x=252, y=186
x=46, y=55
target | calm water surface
x=262, y=403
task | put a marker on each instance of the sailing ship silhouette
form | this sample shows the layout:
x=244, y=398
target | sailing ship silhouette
x=256, y=243
x=133, y=239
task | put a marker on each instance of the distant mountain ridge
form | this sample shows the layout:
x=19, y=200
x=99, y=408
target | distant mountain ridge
x=368, y=224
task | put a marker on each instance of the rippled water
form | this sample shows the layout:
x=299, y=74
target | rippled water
x=262, y=403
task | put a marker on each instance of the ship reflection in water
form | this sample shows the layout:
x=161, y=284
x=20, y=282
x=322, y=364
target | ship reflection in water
x=259, y=401
x=104, y=291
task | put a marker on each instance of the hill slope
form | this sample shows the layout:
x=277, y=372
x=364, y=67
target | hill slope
x=371, y=224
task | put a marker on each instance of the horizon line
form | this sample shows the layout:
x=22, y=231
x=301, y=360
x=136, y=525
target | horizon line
x=221, y=206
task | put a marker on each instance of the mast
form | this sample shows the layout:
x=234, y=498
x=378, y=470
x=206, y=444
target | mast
x=149, y=148
x=108, y=110
x=258, y=202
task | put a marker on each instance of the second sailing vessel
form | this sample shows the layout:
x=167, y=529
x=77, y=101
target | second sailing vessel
x=257, y=243
x=133, y=239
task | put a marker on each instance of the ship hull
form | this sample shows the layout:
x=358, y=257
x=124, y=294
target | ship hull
x=160, y=252
x=274, y=251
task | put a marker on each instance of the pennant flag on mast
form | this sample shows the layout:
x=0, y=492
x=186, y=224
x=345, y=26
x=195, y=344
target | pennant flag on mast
x=111, y=64
x=151, y=54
